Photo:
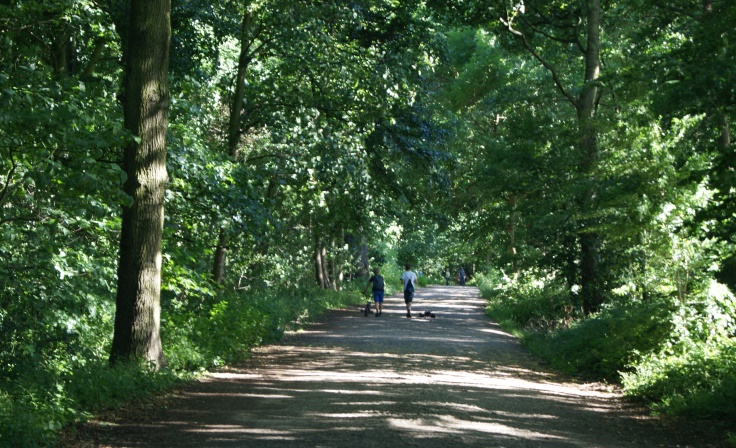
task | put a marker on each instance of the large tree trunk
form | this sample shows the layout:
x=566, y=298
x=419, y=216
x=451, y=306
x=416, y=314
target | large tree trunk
x=137, y=314
x=586, y=107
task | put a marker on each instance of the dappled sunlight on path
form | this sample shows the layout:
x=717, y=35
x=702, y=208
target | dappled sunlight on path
x=355, y=381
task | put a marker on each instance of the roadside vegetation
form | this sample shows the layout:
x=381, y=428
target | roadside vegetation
x=73, y=383
x=676, y=356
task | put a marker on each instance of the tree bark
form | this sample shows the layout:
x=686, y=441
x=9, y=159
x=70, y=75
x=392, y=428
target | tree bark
x=94, y=58
x=137, y=315
x=588, y=133
x=218, y=267
x=234, y=131
x=319, y=263
x=325, y=272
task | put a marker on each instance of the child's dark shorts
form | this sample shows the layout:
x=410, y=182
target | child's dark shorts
x=408, y=296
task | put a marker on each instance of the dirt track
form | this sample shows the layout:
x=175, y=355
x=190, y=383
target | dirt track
x=354, y=381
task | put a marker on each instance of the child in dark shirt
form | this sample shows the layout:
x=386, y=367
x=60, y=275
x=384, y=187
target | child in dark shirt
x=378, y=285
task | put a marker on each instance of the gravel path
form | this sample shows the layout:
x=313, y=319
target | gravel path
x=352, y=381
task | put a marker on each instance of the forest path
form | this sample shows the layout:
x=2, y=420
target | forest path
x=352, y=381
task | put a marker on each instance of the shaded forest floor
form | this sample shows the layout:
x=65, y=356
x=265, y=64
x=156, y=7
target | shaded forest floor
x=355, y=381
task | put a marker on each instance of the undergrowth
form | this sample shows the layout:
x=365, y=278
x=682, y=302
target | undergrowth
x=678, y=356
x=42, y=394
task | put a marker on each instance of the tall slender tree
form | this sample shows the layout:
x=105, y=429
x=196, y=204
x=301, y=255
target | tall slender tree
x=585, y=104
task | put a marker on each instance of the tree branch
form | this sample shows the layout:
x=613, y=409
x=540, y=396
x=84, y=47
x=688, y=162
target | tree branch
x=538, y=57
x=9, y=177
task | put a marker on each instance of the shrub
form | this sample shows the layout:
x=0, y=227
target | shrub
x=527, y=302
x=603, y=345
x=698, y=383
x=225, y=330
x=694, y=372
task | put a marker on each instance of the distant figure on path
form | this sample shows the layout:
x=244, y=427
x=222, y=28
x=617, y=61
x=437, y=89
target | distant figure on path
x=461, y=276
x=378, y=285
x=447, y=277
x=409, y=279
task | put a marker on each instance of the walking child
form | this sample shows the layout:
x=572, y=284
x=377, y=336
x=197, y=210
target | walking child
x=378, y=286
x=409, y=279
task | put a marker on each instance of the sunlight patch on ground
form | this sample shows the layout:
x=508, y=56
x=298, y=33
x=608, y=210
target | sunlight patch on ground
x=237, y=429
x=512, y=415
x=346, y=415
x=303, y=331
x=484, y=380
x=494, y=331
x=449, y=424
x=239, y=395
x=240, y=376
x=367, y=403
x=348, y=391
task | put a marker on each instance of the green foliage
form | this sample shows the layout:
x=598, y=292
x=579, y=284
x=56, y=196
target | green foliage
x=35, y=406
x=699, y=383
x=694, y=372
x=423, y=281
x=677, y=355
x=527, y=301
x=436, y=148
x=603, y=346
x=224, y=330
x=78, y=382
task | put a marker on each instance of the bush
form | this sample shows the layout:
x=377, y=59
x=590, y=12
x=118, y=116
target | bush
x=694, y=372
x=423, y=281
x=42, y=402
x=225, y=330
x=697, y=383
x=527, y=302
x=603, y=345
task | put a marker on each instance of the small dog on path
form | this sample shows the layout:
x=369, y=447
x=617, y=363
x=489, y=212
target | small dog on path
x=367, y=309
x=427, y=314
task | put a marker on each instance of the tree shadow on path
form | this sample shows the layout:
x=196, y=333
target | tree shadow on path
x=352, y=381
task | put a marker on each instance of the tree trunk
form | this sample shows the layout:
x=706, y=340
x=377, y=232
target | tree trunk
x=724, y=140
x=511, y=233
x=233, y=130
x=335, y=265
x=89, y=70
x=585, y=106
x=318, y=264
x=364, y=271
x=218, y=267
x=325, y=271
x=137, y=315
x=233, y=136
x=588, y=133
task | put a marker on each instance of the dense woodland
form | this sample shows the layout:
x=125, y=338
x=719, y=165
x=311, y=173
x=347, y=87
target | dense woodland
x=181, y=181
